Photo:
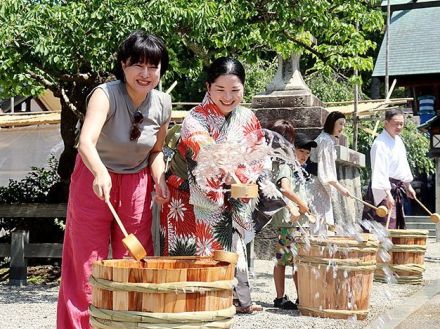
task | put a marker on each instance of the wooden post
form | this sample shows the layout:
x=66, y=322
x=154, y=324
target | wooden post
x=18, y=270
x=387, y=48
x=155, y=228
x=355, y=112
x=437, y=196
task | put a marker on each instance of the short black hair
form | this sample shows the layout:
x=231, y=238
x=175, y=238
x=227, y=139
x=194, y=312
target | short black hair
x=225, y=65
x=285, y=128
x=141, y=47
x=329, y=124
x=302, y=141
x=389, y=114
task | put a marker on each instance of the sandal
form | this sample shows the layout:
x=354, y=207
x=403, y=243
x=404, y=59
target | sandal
x=248, y=309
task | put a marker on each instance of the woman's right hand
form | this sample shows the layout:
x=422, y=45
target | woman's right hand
x=344, y=191
x=102, y=185
x=303, y=209
x=390, y=201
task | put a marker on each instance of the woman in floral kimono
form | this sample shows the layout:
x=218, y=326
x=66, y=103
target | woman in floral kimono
x=201, y=218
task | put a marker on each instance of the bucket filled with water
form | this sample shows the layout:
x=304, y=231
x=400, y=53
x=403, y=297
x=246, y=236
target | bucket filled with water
x=163, y=292
x=335, y=276
x=407, y=257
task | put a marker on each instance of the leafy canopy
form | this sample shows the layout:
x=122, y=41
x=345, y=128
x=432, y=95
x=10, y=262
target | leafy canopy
x=65, y=45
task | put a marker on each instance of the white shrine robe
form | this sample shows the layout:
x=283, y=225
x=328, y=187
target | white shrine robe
x=388, y=160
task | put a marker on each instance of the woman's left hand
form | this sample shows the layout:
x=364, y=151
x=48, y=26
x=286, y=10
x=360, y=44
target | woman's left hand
x=162, y=192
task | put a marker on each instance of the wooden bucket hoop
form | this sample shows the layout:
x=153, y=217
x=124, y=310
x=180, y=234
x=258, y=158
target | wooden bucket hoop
x=323, y=312
x=414, y=268
x=110, y=319
x=408, y=248
x=403, y=279
x=341, y=264
x=177, y=287
x=408, y=233
x=345, y=244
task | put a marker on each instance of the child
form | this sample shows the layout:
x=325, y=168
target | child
x=291, y=184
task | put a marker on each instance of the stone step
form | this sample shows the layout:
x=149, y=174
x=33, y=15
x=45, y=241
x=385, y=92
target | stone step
x=431, y=232
x=420, y=226
x=418, y=219
x=421, y=223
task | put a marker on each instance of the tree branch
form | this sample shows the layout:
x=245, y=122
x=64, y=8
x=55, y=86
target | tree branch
x=44, y=81
x=85, y=78
x=310, y=49
x=72, y=107
x=58, y=92
x=197, y=49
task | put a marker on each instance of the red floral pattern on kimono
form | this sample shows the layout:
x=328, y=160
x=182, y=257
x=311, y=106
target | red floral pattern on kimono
x=197, y=221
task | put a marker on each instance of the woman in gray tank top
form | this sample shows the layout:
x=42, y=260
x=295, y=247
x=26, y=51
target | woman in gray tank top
x=120, y=156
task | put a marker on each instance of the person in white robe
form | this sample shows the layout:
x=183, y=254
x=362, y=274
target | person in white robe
x=391, y=175
x=325, y=184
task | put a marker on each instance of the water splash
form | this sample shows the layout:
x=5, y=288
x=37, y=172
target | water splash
x=217, y=162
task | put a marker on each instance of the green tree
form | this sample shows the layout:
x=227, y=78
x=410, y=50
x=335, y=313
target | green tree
x=68, y=46
x=416, y=143
x=330, y=87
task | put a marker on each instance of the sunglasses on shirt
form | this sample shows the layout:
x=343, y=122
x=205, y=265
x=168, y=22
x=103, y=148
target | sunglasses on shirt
x=135, y=133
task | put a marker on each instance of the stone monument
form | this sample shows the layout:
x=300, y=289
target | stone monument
x=288, y=97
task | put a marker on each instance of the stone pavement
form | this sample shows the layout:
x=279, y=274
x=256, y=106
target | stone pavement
x=422, y=309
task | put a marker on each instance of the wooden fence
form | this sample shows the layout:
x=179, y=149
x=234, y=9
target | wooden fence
x=20, y=249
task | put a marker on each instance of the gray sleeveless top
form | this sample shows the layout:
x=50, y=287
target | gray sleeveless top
x=117, y=152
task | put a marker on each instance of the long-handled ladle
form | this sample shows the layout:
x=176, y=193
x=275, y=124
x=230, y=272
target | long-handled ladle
x=131, y=243
x=388, y=220
x=434, y=216
x=381, y=211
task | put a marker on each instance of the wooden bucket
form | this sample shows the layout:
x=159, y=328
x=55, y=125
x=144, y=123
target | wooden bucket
x=335, y=276
x=163, y=292
x=407, y=257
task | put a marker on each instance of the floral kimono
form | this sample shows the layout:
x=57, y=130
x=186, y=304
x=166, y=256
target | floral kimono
x=201, y=218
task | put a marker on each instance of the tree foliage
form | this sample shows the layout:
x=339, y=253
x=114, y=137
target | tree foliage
x=35, y=187
x=57, y=44
x=68, y=46
x=330, y=87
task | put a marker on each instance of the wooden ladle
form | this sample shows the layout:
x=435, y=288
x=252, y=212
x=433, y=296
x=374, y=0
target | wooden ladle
x=240, y=190
x=131, y=243
x=225, y=256
x=311, y=218
x=435, y=218
x=381, y=211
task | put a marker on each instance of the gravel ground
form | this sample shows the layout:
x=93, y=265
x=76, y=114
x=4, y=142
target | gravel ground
x=34, y=306
x=30, y=307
